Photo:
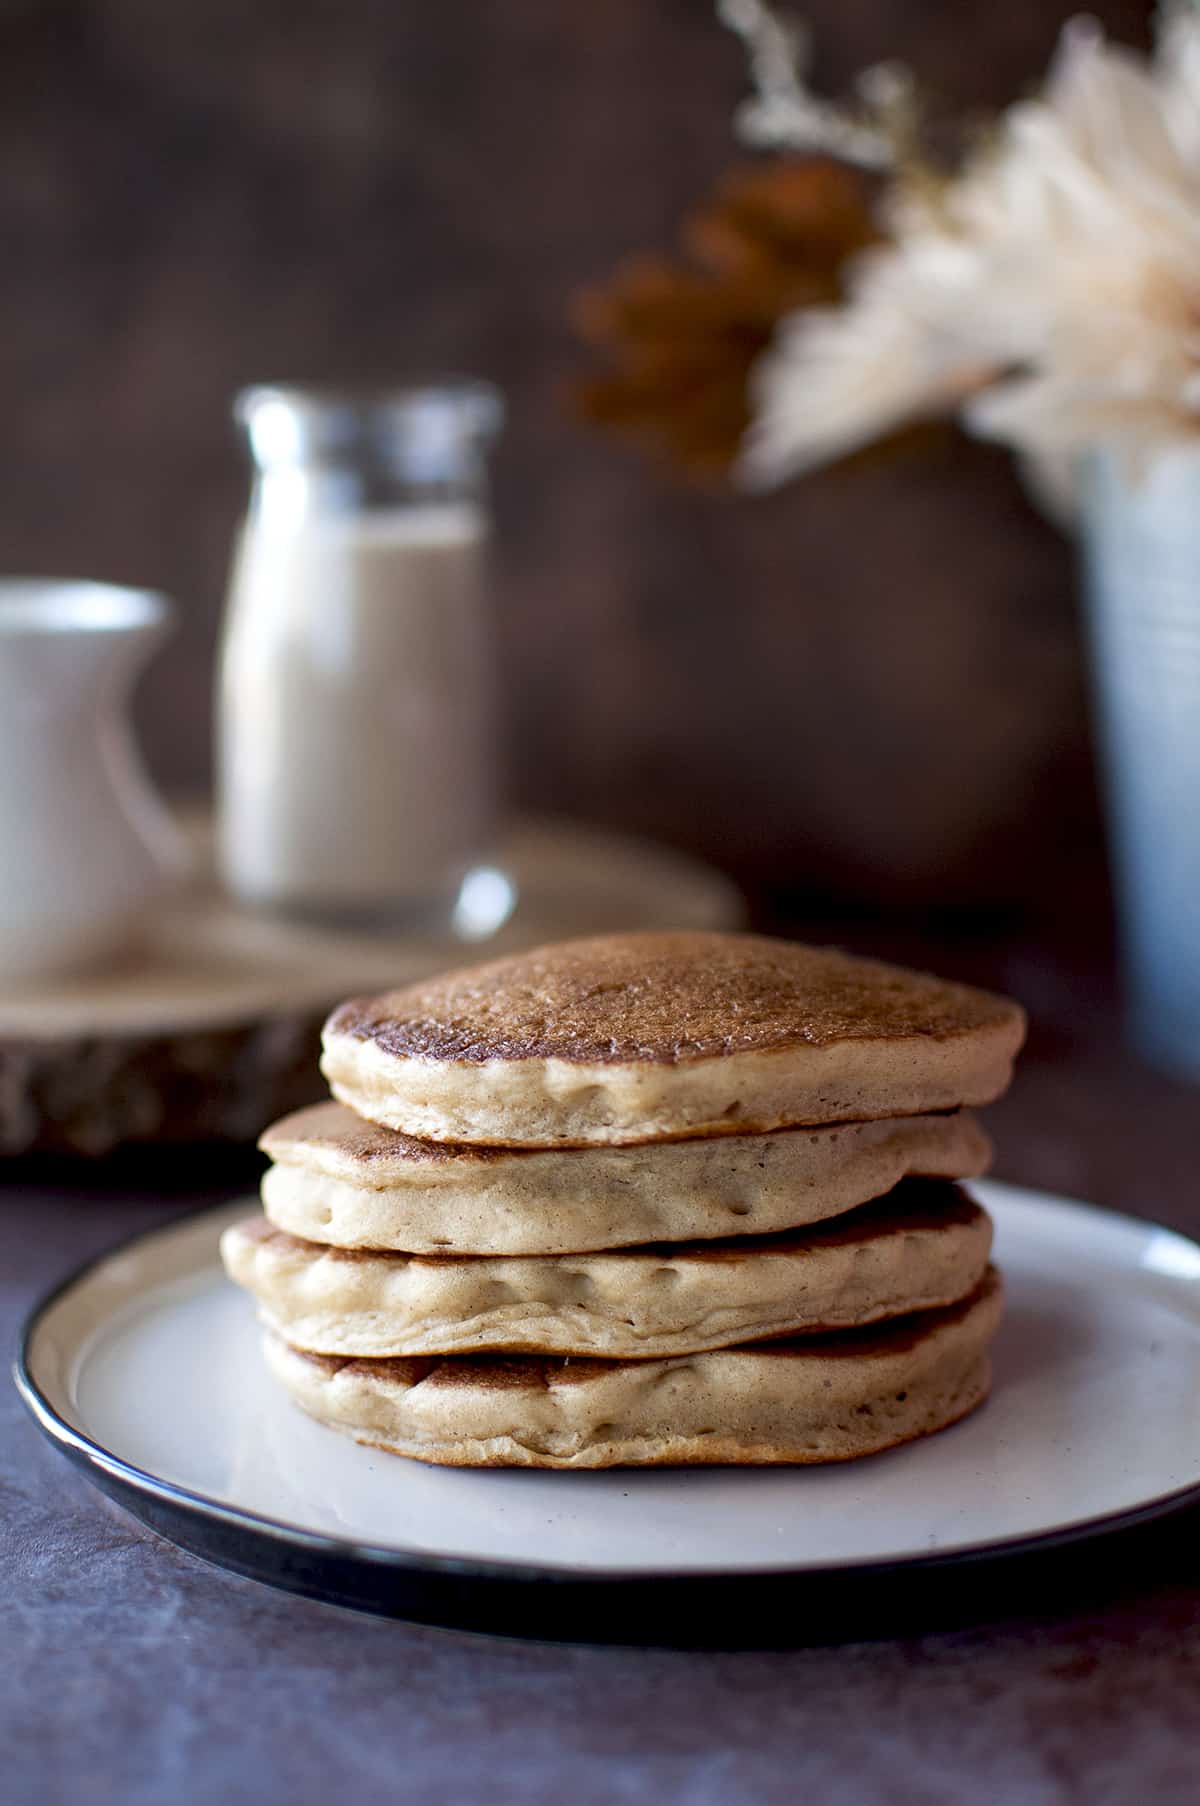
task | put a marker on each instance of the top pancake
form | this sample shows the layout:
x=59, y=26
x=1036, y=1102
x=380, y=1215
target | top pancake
x=645, y=1037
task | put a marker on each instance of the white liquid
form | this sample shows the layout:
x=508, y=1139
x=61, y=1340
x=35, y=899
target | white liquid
x=356, y=743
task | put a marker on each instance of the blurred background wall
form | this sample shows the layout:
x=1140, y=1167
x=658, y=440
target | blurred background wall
x=867, y=687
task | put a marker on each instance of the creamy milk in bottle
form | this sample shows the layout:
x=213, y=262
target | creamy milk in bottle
x=356, y=717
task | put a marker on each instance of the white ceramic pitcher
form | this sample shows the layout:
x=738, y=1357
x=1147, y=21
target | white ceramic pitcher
x=85, y=844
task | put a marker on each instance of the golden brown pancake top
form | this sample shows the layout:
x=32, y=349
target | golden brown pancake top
x=667, y=999
x=364, y=1144
x=331, y=1125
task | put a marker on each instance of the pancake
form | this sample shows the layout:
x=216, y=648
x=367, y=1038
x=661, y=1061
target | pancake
x=926, y=1246
x=352, y=1184
x=646, y=1037
x=828, y=1399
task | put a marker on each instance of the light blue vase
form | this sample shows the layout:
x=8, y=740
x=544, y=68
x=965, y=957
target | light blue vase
x=1141, y=540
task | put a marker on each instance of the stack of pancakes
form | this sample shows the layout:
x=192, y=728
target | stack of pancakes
x=650, y=1198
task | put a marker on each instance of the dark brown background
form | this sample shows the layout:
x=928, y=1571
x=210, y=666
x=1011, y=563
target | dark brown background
x=867, y=685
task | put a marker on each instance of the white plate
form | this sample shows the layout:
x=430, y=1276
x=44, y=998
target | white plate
x=145, y=1369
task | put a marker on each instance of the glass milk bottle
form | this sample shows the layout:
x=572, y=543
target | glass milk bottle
x=356, y=717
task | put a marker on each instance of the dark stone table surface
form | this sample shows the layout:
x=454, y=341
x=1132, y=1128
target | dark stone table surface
x=133, y=1673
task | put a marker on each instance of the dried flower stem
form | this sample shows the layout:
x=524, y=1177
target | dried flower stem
x=784, y=114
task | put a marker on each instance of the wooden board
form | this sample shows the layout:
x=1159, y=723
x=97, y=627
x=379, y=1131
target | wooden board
x=211, y=1030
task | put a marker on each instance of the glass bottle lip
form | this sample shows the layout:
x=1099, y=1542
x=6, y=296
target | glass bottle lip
x=424, y=426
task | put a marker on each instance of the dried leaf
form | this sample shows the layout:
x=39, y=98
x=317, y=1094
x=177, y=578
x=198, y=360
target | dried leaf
x=679, y=333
